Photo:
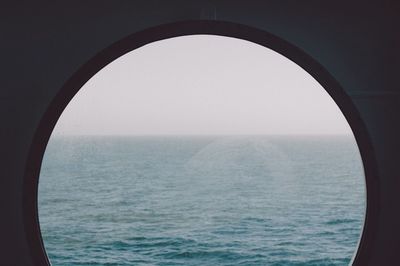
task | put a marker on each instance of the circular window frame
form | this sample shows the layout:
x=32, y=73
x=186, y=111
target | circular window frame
x=183, y=28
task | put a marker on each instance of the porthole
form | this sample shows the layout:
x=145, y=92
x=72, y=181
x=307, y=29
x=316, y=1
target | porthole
x=165, y=32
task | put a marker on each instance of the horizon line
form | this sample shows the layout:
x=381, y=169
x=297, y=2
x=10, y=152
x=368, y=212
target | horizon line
x=200, y=135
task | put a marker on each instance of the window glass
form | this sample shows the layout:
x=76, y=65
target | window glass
x=201, y=150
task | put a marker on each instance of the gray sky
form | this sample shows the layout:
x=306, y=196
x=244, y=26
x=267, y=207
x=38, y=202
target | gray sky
x=202, y=84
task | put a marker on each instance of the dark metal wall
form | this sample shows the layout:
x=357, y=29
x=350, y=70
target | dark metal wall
x=42, y=44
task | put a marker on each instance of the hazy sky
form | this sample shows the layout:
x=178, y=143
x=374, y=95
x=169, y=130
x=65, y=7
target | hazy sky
x=202, y=84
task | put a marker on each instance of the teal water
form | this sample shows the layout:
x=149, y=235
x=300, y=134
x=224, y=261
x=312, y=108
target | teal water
x=259, y=200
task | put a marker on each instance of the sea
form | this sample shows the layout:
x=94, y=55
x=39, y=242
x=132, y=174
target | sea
x=201, y=200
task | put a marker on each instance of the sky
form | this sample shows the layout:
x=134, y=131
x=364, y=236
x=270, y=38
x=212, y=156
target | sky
x=202, y=85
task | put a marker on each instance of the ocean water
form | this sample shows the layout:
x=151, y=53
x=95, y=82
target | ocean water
x=180, y=200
